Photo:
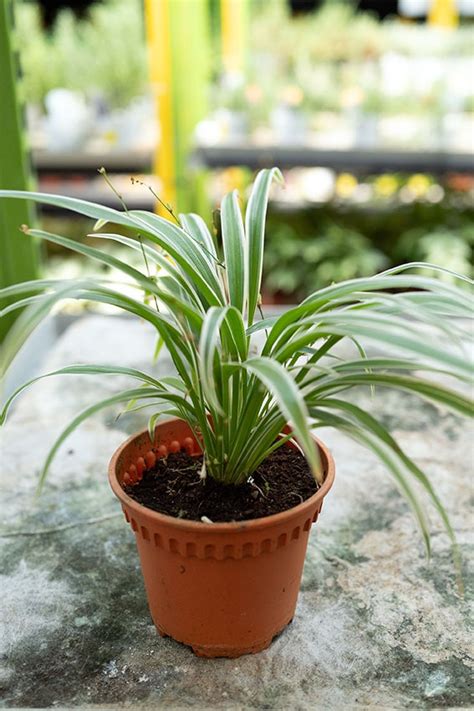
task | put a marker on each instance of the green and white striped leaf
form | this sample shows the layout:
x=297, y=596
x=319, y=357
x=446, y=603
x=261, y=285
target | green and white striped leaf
x=92, y=369
x=209, y=355
x=255, y=217
x=195, y=226
x=233, y=240
x=369, y=423
x=290, y=401
x=428, y=390
x=124, y=396
x=199, y=309
x=361, y=435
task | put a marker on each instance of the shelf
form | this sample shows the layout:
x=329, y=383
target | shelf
x=139, y=199
x=116, y=161
x=354, y=160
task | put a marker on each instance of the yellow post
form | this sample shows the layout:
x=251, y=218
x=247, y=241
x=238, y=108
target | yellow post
x=234, y=18
x=178, y=38
x=443, y=13
x=160, y=59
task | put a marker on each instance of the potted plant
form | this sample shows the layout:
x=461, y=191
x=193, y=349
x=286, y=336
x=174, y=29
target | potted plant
x=233, y=110
x=288, y=119
x=366, y=119
x=222, y=497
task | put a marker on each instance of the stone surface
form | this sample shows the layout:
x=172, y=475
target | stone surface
x=377, y=626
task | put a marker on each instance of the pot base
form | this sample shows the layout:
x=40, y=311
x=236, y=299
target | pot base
x=212, y=652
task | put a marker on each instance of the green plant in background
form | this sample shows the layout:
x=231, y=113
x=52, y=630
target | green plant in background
x=373, y=102
x=416, y=40
x=240, y=379
x=453, y=249
x=234, y=98
x=36, y=54
x=296, y=264
x=366, y=237
x=308, y=51
x=469, y=104
x=104, y=52
x=114, y=35
x=335, y=33
x=321, y=84
x=50, y=59
x=354, y=44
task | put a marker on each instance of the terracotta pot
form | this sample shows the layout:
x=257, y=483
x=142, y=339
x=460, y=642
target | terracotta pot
x=225, y=589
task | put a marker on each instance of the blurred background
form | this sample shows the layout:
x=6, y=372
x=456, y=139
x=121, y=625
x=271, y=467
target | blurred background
x=367, y=107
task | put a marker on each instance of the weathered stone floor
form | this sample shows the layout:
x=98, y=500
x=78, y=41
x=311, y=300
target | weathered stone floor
x=377, y=626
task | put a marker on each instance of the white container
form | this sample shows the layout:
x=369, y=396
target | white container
x=289, y=125
x=69, y=120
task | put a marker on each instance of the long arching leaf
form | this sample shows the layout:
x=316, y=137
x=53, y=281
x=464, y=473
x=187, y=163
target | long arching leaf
x=255, y=217
x=233, y=240
x=291, y=403
x=124, y=396
x=92, y=369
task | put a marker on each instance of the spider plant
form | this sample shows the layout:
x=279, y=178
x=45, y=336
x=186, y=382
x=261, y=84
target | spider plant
x=241, y=377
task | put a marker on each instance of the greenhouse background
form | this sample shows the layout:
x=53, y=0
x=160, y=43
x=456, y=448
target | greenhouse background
x=371, y=119
x=166, y=106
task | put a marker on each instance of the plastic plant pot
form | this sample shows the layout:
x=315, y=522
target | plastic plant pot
x=225, y=589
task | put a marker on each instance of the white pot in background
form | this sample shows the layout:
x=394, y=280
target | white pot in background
x=366, y=130
x=233, y=125
x=69, y=119
x=457, y=132
x=131, y=125
x=289, y=125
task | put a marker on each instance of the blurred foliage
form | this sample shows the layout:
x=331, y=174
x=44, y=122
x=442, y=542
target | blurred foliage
x=453, y=250
x=338, y=32
x=339, y=57
x=334, y=33
x=310, y=248
x=103, y=54
x=313, y=247
x=299, y=262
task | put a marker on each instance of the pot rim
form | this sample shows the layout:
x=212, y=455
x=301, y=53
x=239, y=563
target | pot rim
x=222, y=526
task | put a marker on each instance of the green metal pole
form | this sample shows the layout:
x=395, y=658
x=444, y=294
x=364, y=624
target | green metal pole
x=179, y=51
x=190, y=58
x=18, y=252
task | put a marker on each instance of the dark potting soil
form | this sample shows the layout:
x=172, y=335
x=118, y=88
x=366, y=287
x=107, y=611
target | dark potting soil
x=173, y=487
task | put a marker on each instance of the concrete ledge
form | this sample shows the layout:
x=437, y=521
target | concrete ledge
x=377, y=626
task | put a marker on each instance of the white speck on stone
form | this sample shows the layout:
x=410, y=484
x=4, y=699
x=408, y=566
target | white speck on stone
x=143, y=678
x=436, y=683
x=111, y=669
x=6, y=673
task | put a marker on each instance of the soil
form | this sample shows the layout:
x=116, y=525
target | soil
x=173, y=487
